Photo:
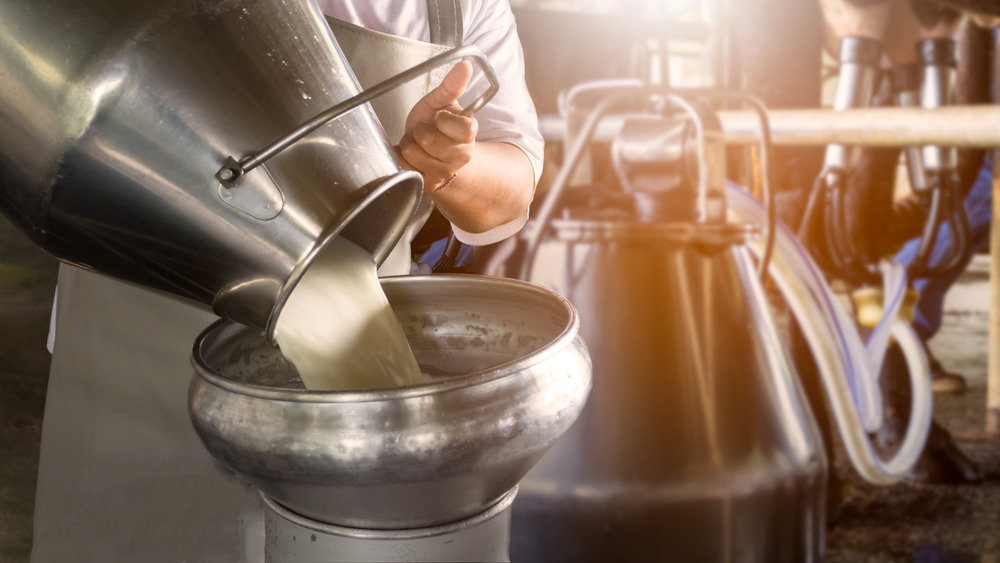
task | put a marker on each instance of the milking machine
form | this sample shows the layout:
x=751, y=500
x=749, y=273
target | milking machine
x=879, y=288
x=939, y=187
x=932, y=169
x=696, y=443
x=860, y=58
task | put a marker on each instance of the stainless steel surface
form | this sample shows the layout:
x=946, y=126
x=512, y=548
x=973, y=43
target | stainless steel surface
x=710, y=206
x=855, y=85
x=591, y=105
x=234, y=169
x=936, y=91
x=483, y=537
x=646, y=141
x=114, y=118
x=914, y=167
x=515, y=375
x=696, y=443
x=960, y=126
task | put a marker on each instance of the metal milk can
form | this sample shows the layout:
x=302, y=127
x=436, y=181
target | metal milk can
x=149, y=140
x=697, y=443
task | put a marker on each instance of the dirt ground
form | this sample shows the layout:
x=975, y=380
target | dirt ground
x=906, y=522
x=935, y=523
x=925, y=523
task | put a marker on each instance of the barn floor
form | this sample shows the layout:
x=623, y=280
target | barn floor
x=935, y=523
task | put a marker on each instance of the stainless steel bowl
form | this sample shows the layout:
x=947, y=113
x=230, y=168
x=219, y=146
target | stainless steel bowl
x=511, y=375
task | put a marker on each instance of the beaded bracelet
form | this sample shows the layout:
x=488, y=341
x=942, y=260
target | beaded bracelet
x=445, y=184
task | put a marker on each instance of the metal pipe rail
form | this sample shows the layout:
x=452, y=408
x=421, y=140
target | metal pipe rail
x=959, y=126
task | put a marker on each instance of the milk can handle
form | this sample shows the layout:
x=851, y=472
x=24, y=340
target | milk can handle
x=234, y=169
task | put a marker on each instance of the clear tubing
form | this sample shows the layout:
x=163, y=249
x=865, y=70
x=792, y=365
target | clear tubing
x=812, y=301
x=893, y=291
x=844, y=363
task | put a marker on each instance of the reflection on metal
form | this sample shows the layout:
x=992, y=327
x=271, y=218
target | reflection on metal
x=114, y=120
x=234, y=169
x=514, y=375
x=482, y=538
x=906, y=82
x=696, y=444
x=859, y=61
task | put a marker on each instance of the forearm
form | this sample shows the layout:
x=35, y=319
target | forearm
x=494, y=188
x=477, y=185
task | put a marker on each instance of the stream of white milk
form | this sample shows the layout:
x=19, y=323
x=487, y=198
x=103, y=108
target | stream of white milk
x=338, y=329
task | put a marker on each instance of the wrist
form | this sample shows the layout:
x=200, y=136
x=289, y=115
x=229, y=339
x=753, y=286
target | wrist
x=445, y=184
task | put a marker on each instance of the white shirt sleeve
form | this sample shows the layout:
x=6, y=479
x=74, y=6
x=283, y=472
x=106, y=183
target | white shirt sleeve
x=489, y=24
x=510, y=116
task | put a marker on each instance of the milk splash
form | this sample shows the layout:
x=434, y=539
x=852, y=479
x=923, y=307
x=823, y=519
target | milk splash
x=338, y=329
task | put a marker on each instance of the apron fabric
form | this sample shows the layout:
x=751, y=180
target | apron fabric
x=122, y=474
x=376, y=56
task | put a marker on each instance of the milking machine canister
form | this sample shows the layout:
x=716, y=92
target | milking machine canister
x=697, y=443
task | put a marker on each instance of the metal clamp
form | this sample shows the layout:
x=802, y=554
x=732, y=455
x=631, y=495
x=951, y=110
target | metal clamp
x=232, y=170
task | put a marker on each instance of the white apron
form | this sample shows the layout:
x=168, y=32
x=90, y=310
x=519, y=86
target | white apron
x=122, y=474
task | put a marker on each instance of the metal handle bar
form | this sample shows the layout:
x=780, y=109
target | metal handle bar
x=234, y=169
x=616, y=95
x=765, y=143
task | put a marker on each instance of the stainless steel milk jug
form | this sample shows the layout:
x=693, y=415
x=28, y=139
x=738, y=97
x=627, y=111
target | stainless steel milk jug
x=116, y=117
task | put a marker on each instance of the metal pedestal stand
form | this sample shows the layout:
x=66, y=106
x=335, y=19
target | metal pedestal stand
x=291, y=538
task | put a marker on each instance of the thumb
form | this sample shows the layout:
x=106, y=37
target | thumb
x=447, y=93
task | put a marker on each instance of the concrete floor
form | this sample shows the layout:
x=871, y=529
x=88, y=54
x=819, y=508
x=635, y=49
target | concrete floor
x=908, y=522
x=27, y=282
x=936, y=523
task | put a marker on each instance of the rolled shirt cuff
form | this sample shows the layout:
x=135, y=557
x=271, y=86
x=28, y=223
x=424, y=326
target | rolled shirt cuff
x=493, y=235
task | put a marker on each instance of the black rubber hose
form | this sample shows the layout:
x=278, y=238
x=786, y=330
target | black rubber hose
x=447, y=260
x=918, y=267
x=812, y=207
x=961, y=233
x=839, y=253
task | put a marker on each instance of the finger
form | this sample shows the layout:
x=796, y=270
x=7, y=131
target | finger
x=417, y=158
x=460, y=128
x=441, y=146
x=450, y=89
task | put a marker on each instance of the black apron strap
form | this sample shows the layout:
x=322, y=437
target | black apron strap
x=445, y=19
